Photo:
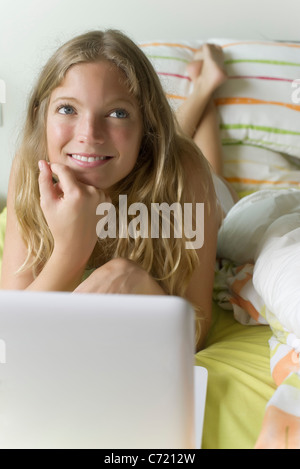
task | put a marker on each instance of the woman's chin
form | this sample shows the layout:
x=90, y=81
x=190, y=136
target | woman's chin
x=89, y=180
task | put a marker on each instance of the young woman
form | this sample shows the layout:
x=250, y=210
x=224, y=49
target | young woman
x=99, y=126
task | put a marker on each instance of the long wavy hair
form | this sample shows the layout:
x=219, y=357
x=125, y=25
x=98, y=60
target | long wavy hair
x=157, y=177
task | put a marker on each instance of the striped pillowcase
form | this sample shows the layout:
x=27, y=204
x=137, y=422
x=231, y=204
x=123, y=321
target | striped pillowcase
x=170, y=60
x=260, y=103
x=250, y=168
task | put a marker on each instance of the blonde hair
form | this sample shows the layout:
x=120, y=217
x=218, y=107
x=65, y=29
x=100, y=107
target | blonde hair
x=158, y=176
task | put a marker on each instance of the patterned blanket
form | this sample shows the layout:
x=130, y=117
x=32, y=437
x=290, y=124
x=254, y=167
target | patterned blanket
x=258, y=276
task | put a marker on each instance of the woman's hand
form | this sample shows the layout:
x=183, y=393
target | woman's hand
x=120, y=276
x=280, y=430
x=69, y=207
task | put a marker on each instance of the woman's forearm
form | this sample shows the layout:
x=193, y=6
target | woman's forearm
x=57, y=275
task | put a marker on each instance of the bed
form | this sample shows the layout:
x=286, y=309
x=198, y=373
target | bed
x=239, y=379
x=260, y=129
x=260, y=126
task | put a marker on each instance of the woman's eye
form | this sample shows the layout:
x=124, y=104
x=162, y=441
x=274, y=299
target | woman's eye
x=119, y=114
x=67, y=110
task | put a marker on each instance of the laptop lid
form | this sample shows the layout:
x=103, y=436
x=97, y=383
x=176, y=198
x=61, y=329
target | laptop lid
x=96, y=371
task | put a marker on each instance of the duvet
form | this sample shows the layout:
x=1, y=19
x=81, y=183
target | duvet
x=258, y=276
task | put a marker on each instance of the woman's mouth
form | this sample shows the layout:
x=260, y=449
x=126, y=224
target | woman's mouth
x=86, y=160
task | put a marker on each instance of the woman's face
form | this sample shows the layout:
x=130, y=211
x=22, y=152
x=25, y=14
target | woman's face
x=94, y=125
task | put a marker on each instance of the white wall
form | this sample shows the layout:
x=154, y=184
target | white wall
x=31, y=29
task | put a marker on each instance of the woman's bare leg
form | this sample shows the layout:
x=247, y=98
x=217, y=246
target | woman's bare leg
x=198, y=117
x=208, y=139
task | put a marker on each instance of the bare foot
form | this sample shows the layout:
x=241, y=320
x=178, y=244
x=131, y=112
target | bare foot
x=208, y=67
x=194, y=68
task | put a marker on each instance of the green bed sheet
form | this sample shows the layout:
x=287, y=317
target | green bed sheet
x=239, y=381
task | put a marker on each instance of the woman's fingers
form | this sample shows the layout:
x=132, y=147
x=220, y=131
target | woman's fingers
x=67, y=181
x=67, y=184
x=70, y=209
x=47, y=190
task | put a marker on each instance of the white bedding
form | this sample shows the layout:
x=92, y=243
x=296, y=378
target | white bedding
x=260, y=237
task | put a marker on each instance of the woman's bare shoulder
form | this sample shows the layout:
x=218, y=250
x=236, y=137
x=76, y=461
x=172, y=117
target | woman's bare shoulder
x=200, y=189
x=198, y=179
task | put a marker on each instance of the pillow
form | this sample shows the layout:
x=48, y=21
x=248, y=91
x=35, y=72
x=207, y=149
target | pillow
x=259, y=104
x=249, y=169
x=2, y=234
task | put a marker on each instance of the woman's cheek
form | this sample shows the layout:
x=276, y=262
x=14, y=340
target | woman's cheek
x=58, y=136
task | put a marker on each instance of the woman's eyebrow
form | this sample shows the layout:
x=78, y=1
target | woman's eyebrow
x=115, y=101
x=121, y=101
x=65, y=98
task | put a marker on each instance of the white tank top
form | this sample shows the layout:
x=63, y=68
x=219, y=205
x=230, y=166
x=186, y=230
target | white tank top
x=223, y=194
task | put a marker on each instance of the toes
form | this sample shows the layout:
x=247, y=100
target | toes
x=198, y=54
x=194, y=69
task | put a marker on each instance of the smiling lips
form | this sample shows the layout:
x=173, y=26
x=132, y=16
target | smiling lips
x=84, y=159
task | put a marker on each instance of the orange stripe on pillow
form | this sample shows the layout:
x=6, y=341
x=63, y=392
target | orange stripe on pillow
x=175, y=96
x=167, y=44
x=257, y=181
x=266, y=43
x=228, y=101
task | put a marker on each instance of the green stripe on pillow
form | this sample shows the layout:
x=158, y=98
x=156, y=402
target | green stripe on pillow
x=254, y=143
x=260, y=61
x=262, y=128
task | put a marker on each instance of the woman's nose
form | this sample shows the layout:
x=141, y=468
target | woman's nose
x=91, y=130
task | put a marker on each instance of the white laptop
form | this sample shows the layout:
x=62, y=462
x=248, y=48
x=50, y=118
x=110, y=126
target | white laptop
x=98, y=371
